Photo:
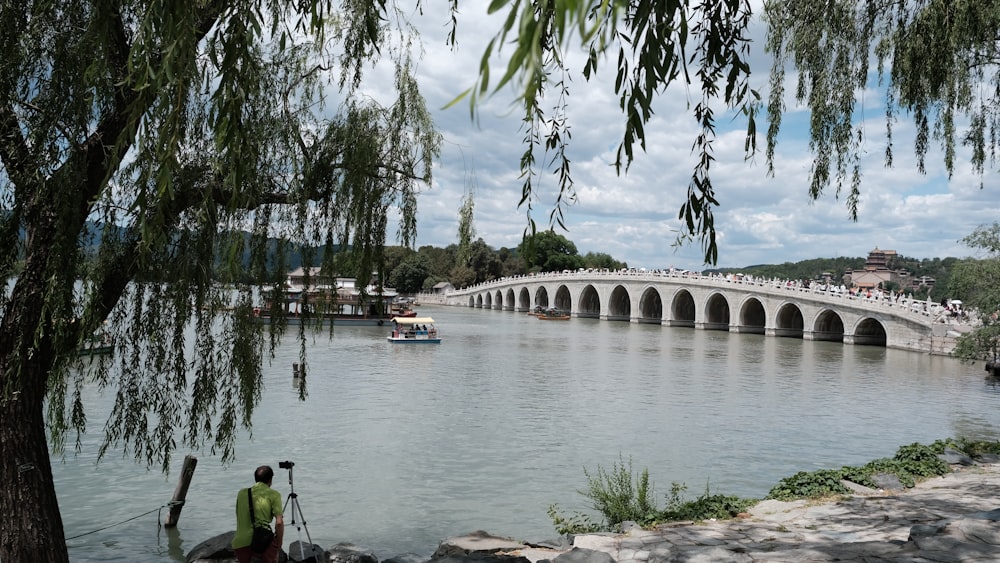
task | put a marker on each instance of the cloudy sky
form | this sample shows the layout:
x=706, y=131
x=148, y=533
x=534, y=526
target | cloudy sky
x=633, y=217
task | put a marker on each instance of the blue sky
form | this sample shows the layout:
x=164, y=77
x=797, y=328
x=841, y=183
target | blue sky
x=633, y=217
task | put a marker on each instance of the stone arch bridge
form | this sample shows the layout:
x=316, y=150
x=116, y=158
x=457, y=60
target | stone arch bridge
x=735, y=304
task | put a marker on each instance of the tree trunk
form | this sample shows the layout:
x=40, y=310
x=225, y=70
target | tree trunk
x=32, y=527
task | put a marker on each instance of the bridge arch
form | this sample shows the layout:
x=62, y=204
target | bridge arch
x=828, y=326
x=752, y=317
x=789, y=321
x=619, y=305
x=682, y=309
x=509, y=300
x=589, y=303
x=563, y=300
x=870, y=332
x=541, y=297
x=498, y=300
x=488, y=302
x=524, y=299
x=650, y=306
x=716, y=312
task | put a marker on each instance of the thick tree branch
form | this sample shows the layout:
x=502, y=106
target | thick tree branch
x=13, y=148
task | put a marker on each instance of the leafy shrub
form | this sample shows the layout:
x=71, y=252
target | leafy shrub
x=921, y=460
x=816, y=484
x=980, y=447
x=705, y=507
x=910, y=464
x=575, y=524
x=620, y=494
x=971, y=447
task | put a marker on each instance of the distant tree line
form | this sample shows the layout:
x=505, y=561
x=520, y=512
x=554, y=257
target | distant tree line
x=410, y=271
x=816, y=268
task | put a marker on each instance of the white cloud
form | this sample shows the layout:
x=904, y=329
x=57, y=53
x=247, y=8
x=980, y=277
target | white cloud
x=633, y=216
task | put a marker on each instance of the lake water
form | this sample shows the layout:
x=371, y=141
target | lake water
x=400, y=446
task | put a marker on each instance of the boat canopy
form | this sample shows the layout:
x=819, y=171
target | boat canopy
x=413, y=320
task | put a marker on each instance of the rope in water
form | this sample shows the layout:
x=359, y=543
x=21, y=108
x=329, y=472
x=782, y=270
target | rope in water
x=156, y=510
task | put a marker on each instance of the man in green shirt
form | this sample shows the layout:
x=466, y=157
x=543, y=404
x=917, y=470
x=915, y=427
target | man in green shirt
x=266, y=505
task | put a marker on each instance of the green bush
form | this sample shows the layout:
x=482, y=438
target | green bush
x=575, y=524
x=967, y=445
x=910, y=464
x=921, y=460
x=620, y=494
x=821, y=483
x=705, y=507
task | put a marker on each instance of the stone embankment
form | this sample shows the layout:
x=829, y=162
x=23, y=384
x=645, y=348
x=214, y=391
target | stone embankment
x=951, y=518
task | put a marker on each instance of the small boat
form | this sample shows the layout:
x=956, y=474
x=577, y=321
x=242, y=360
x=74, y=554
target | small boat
x=539, y=310
x=98, y=344
x=552, y=314
x=402, y=309
x=414, y=330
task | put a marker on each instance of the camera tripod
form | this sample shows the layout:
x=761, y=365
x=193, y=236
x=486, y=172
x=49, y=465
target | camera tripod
x=293, y=501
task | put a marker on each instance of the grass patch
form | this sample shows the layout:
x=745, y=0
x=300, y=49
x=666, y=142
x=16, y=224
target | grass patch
x=622, y=494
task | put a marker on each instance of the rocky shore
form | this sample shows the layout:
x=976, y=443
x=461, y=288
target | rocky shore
x=951, y=518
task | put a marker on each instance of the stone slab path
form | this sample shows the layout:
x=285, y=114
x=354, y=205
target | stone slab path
x=951, y=518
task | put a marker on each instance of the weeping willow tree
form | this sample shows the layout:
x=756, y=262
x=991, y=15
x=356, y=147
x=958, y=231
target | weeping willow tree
x=140, y=141
x=701, y=48
x=936, y=61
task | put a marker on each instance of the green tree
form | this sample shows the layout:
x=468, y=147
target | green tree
x=462, y=276
x=549, y=251
x=409, y=276
x=466, y=230
x=977, y=283
x=393, y=256
x=484, y=261
x=511, y=263
x=439, y=260
x=600, y=260
x=138, y=140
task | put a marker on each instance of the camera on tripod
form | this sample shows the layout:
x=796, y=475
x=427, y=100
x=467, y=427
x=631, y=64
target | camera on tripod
x=286, y=464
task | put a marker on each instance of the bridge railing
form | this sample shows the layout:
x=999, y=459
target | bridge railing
x=920, y=311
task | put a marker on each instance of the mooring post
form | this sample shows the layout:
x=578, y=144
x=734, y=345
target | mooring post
x=187, y=472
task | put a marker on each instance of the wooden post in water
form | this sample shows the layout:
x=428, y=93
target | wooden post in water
x=187, y=472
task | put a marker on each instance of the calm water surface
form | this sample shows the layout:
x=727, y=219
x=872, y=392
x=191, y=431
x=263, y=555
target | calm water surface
x=398, y=447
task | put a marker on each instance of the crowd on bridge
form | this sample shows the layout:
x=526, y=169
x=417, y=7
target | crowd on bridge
x=946, y=311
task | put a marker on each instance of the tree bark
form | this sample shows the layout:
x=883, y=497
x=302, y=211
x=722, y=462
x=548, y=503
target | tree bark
x=32, y=527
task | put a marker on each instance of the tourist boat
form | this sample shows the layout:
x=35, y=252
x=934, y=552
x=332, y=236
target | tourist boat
x=414, y=330
x=538, y=310
x=552, y=314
